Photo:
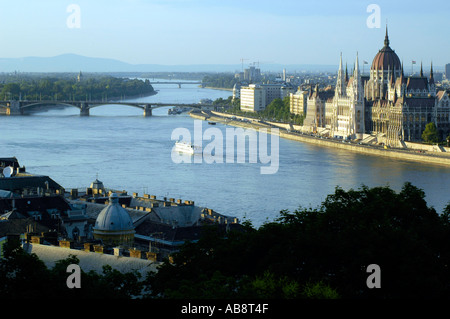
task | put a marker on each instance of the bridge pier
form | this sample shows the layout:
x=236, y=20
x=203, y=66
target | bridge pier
x=84, y=109
x=147, y=110
x=14, y=108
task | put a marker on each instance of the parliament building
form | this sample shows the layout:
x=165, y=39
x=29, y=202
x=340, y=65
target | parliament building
x=386, y=105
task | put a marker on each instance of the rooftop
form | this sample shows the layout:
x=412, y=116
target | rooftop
x=91, y=260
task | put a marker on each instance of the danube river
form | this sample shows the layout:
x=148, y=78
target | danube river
x=127, y=151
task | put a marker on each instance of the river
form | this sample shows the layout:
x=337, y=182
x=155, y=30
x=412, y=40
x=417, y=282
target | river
x=130, y=152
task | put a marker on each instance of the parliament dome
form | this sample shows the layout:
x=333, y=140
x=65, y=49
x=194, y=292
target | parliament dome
x=386, y=58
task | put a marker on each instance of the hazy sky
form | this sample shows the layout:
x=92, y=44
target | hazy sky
x=224, y=31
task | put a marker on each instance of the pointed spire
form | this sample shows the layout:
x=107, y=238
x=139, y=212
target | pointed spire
x=386, y=38
x=346, y=72
x=431, y=74
x=340, y=82
x=357, y=65
x=421, y=70
x=357, y=79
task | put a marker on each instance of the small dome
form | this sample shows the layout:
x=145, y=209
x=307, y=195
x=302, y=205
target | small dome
x=97, y=184
x=114, y=218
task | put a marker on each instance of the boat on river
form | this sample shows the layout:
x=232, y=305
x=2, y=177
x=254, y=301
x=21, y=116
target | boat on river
x=186, y=147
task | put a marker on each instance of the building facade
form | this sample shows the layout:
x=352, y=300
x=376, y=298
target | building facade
x=298, y=102
x=316, y=108
x=253, y=98
x=386, y=104
x=399, y=107
x=347, y=105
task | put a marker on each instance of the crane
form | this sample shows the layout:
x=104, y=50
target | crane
x=242, y=62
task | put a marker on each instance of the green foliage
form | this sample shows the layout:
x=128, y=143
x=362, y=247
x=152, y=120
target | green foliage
x=430, y=134
x=221, y=80
x=223, y=102
x=56, y=88
x=319, y=290
x=322, y=253
x=277, y=110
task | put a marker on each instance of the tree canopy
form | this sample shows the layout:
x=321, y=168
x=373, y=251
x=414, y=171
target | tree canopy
x=430, y=134
x=221, y=80
x=277, y=110
x=68, y=88
x=322, y=253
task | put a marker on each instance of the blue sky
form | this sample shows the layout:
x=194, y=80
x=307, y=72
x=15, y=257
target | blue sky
x=222, y=32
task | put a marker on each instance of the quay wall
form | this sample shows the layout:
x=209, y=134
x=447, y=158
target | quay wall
x=398, y=154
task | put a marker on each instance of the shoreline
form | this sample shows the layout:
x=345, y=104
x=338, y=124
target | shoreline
x=406, y=155
x=214, y=88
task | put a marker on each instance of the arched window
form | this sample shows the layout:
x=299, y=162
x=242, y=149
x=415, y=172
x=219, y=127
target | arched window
x=75, y=233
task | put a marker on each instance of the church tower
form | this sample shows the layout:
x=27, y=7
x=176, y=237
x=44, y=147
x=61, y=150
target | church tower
x=341, y=82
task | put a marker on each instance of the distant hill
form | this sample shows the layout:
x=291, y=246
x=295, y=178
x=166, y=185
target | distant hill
x=76, y=63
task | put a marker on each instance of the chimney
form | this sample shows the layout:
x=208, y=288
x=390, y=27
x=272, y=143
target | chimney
x=117, y=251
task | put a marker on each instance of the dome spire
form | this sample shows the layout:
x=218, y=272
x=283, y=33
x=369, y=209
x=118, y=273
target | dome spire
x=386, y=38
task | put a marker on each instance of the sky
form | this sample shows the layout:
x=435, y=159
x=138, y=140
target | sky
x=173, y=32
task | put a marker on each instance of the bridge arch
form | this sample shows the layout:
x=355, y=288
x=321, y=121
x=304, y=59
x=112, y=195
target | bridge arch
x=93, y=105
x=50, y=102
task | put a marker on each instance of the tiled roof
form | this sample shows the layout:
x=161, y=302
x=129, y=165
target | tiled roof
x=417, y=83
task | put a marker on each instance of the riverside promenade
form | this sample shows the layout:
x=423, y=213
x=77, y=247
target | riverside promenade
x=407, y=154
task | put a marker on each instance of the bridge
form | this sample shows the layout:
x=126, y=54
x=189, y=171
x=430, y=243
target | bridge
x=13, y=107
x=177, y=82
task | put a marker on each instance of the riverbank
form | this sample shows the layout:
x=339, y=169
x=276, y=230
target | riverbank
x=398, y=154
x=214, y=88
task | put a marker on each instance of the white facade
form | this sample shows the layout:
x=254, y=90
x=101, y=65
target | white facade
x=347, y=111
x=298, y=102
x=253, y=98
x=256, y=97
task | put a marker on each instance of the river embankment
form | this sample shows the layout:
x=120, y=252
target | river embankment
x=435, y=158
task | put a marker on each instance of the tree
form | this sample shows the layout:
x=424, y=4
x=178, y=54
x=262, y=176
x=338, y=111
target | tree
x=322, y=252
x=50, y=88
x=430, y=134
x=11, y=89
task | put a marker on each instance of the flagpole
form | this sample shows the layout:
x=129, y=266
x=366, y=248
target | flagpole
x=364, y=63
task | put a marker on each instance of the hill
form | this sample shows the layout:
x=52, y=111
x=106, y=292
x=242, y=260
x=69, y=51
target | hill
x=75, y=63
